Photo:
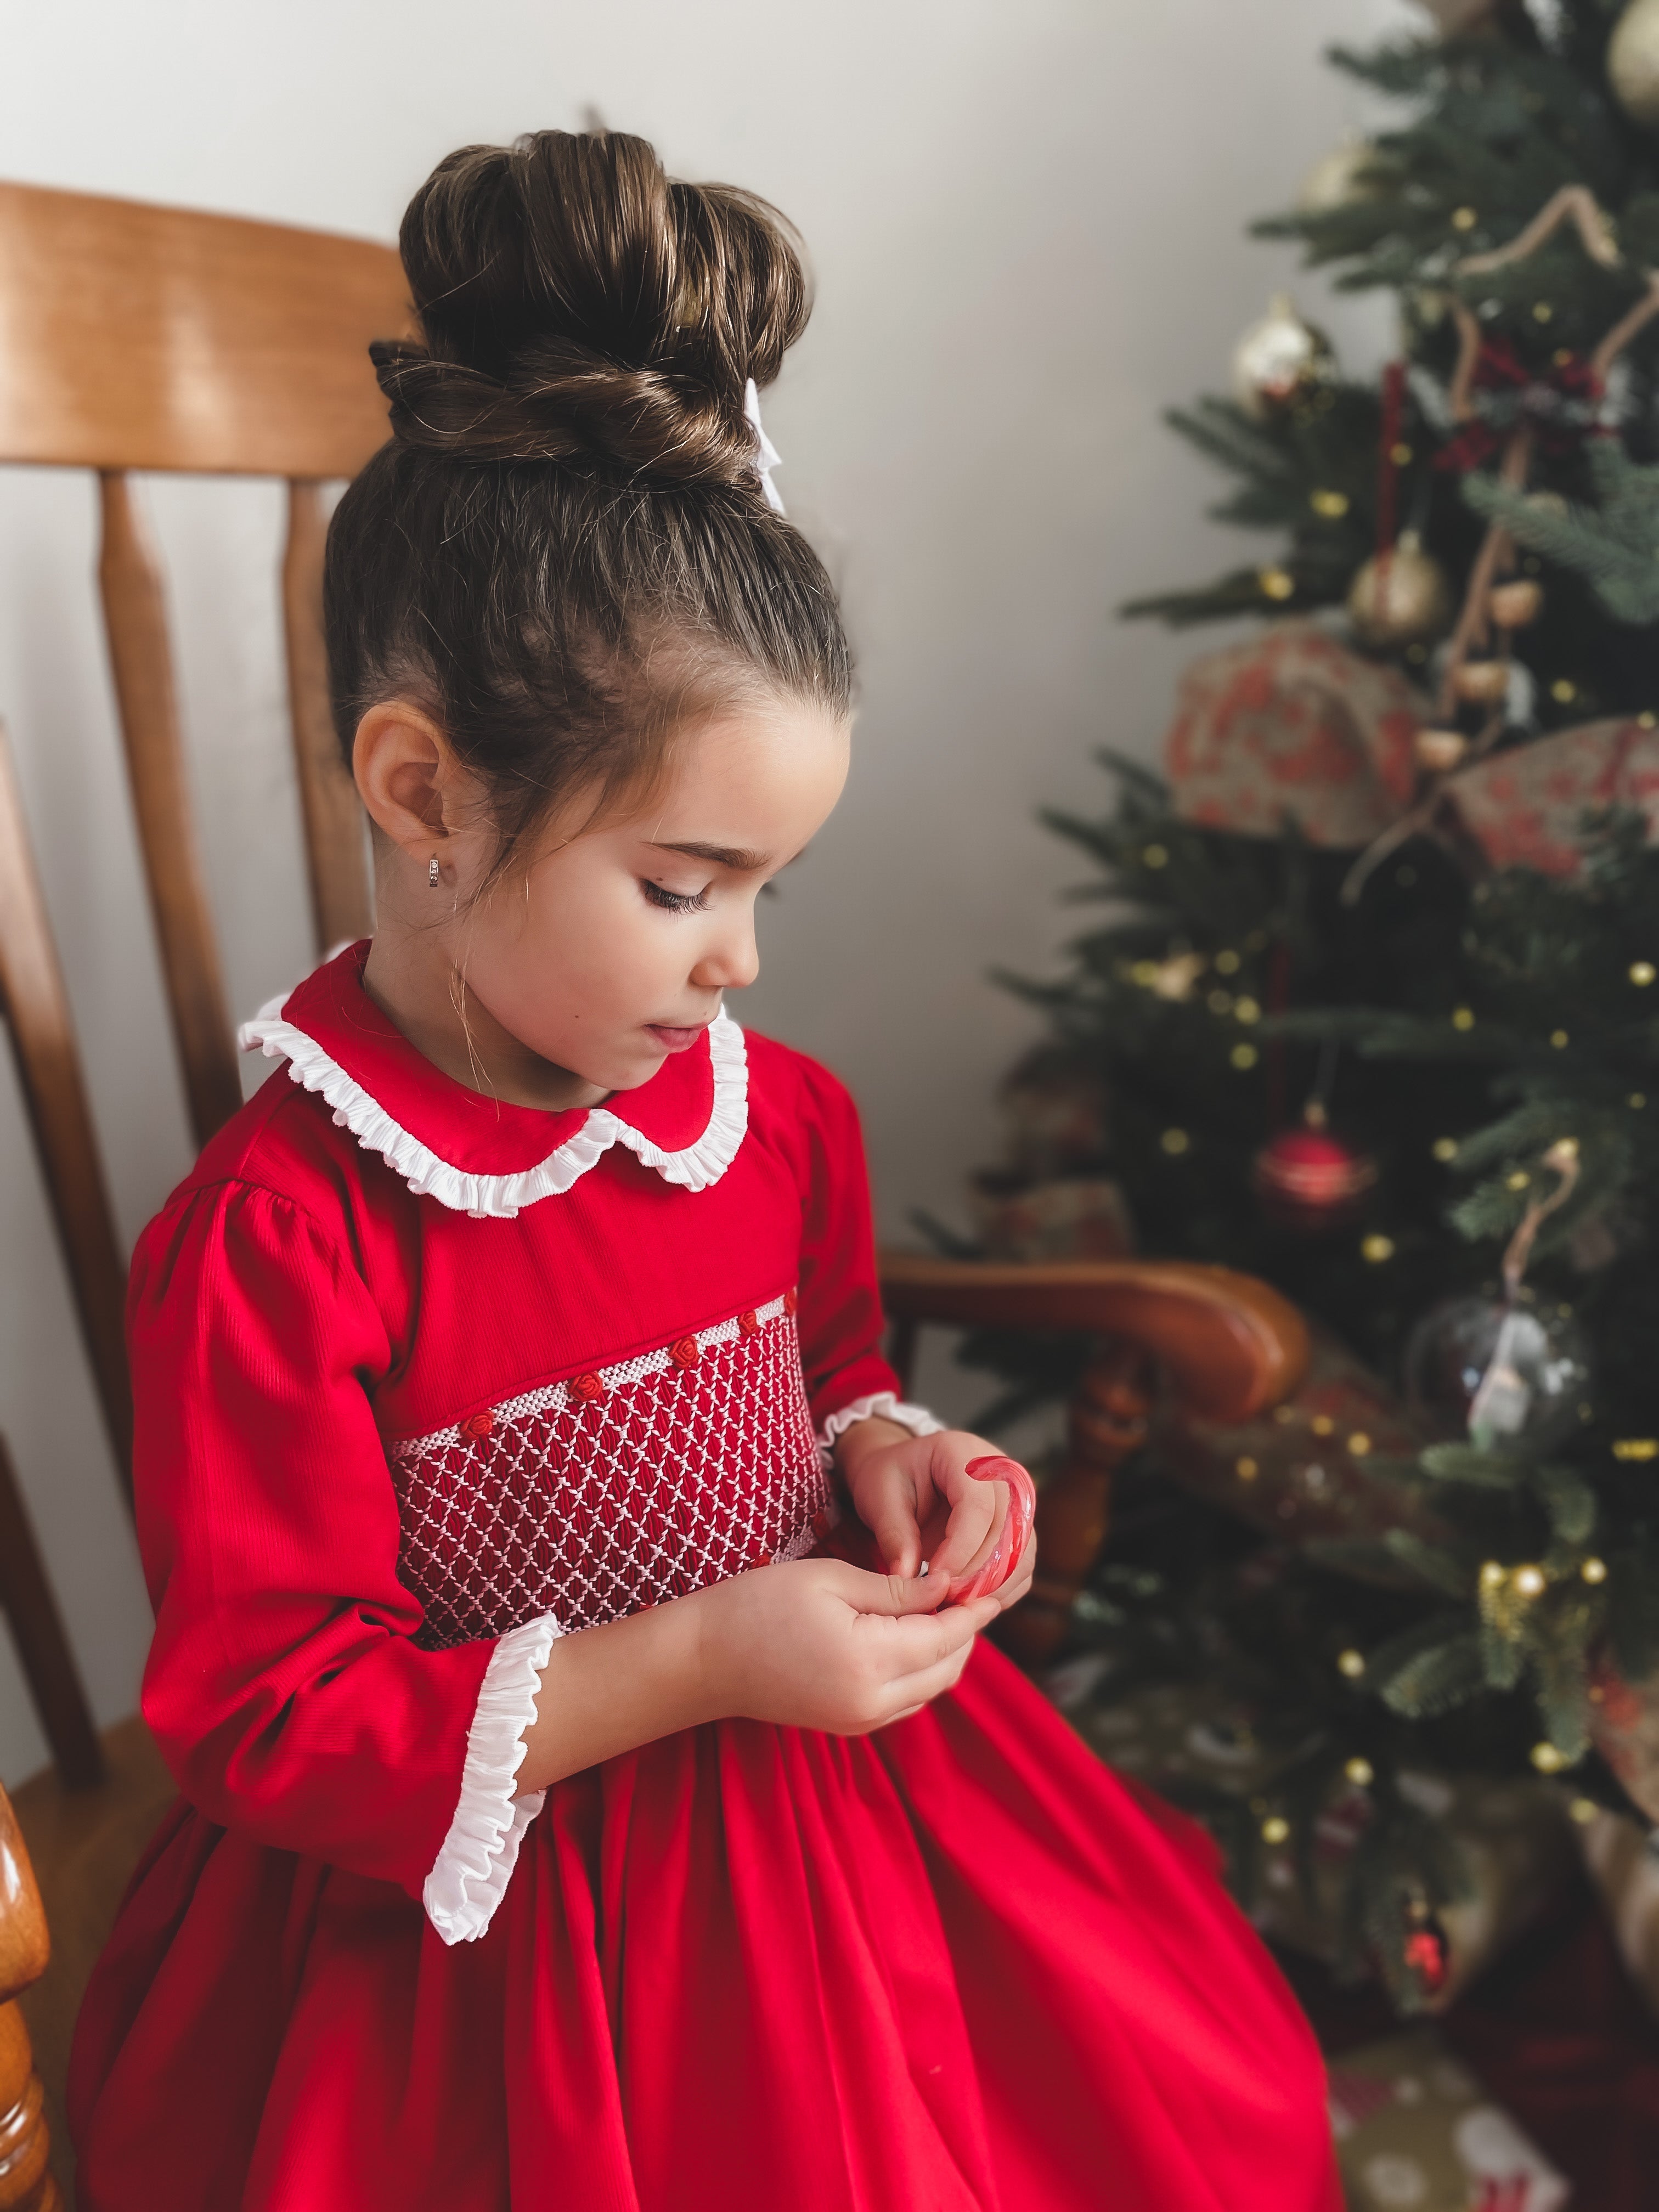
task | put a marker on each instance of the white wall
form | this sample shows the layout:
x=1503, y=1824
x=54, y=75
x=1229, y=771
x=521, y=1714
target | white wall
x=1025, y=221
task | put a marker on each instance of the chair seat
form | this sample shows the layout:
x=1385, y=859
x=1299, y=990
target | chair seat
x=84, y=1844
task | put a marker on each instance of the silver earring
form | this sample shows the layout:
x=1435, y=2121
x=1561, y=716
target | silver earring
x=432, y=871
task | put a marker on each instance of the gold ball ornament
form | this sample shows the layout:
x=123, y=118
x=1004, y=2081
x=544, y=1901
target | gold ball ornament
x=1337, y=181
x=1513, y=605
x=1281, y=363
x=1402, y=597
x=1633, y=61
x=1439, y=751
x=1483, y=682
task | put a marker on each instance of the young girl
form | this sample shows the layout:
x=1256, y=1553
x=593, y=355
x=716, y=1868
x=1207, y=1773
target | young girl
x=556, y=1832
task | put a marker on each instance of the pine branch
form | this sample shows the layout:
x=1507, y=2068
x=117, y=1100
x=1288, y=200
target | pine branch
x=1224, y=433
x=1633, y=1610
x=1475, y=1470
x=1570, y=1503
x=1435, y=1564
x=1613, y=545
x=1428, y=1668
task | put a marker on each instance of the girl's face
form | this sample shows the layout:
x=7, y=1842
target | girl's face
x=609, y=950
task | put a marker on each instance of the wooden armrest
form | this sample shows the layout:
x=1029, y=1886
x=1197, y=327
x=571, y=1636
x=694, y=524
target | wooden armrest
x=24, y=1952
x=1232, y=1346
x=23, y=1948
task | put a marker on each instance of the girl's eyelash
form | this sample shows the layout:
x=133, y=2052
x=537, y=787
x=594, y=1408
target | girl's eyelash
x=674, y=901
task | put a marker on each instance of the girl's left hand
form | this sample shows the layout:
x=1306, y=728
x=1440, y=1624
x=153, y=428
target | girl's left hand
x=914, y=1496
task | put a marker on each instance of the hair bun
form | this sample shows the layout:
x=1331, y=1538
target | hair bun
x=578, y=305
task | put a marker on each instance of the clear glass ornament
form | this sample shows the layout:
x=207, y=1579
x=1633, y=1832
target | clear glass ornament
x=1506, y=1374
x=1281, y=363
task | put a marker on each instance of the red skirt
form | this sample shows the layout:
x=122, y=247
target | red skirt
x=957, y=1967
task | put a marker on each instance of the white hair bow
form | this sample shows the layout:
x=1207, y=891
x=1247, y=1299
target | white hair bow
x=770, y=458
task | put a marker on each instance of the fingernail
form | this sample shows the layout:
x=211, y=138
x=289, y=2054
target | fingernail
x=922, y=1577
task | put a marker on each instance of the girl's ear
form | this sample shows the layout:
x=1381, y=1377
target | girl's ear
x=409, y=780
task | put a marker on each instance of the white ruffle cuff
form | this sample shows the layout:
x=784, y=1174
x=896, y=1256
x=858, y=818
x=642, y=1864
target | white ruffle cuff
x=470, y=1876
x=883, y=1406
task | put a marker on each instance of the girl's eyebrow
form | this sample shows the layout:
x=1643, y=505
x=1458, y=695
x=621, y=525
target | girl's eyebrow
x=738, y=857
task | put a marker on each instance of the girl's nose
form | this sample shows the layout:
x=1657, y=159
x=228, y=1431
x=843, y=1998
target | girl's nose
x=730, y=965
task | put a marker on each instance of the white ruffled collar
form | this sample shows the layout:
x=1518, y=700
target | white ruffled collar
x=301, y=1026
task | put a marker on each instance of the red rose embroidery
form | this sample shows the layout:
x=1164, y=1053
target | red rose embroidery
x=790, y=1301
x=686, y=1353
x=587, y=1387
x=748, y=1323
x=478, y=1424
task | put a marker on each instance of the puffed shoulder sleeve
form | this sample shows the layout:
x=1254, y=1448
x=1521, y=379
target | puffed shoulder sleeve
x=284, y=1685
x=840, y=1317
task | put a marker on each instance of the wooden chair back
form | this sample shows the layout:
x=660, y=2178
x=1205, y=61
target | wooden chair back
x=135, y=337
x=140, y=338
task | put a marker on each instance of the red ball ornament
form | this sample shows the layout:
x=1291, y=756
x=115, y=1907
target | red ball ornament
x=1429, y=1956
x=1311, y=1179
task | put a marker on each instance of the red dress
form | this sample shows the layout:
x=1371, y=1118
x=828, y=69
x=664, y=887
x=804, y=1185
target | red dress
x=423, y=1382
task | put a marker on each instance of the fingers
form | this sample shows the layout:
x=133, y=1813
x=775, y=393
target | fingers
x=893, y=1596
x=909, y=1646
x=920, y=1689
x=911, y=1692
x=894, y=1528
x=976, y=1520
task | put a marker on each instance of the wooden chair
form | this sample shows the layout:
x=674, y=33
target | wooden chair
x=144, y=339
x=154, y=338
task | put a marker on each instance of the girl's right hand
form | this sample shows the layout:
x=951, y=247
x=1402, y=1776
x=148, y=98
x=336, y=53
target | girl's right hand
x=816, y=1643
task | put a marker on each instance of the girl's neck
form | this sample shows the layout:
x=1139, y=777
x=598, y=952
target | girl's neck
x=416, y=979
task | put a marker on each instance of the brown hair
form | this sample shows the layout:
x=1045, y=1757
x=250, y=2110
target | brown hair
x=565, y=545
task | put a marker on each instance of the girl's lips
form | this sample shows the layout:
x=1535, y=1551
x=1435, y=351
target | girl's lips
x=673, y=1040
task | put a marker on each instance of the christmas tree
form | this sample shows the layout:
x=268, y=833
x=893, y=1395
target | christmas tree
x=1372, y=1007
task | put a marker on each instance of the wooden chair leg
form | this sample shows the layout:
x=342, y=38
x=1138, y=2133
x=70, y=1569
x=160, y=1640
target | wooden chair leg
x=44, y=1651
x=1107, y=1421
x=26, y=2184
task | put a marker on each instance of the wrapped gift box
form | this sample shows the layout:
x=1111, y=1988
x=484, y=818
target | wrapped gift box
x=1415, y=2133
x=1514, y=1836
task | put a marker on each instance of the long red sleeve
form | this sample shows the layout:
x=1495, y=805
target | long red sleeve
x=283, y=1686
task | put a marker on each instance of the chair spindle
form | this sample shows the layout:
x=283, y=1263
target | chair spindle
x=135, y=615
x=37, y=1630
x=35, y=1006
x=335, y=843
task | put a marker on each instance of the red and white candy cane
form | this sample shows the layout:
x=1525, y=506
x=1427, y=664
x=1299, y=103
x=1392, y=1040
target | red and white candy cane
x=1010, y=1546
